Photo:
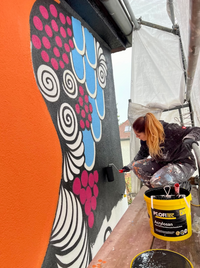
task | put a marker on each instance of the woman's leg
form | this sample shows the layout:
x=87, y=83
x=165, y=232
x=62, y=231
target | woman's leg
x=171, y=174
x=144, y=170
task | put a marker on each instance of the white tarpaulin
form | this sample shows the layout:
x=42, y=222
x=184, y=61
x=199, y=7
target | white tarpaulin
x=157, y=79
x=157, y=70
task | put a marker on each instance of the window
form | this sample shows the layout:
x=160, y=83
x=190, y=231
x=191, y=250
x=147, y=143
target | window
x=127, y=128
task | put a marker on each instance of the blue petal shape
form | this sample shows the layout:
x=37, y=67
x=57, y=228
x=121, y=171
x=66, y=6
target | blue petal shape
x=78, y=64
x=89, y=148
x=78, y=34
x=96, y=122
x=89, y=41
x=100, y=101
x=90, y=78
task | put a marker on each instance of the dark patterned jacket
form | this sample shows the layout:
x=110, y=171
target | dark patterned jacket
x=173, y=148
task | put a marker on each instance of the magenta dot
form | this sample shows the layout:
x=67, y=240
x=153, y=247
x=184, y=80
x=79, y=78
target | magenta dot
x=84, y=178
x=91, y=220
x=53, y=11
x=77, y=108
x=87, y=124
x=65, y=58
x=71, y=43
x=96, y=176
x=86, y=98
x=54, y=25
x=87, y=207
x=36, y=41
x=38, y=24
x=62, y=18
x=45, y=56
x=83, y=196
x=95, y=190
x=82, y=124
x=86, y=108
x=46, y=42
x=91, y=180
x=88, y=193
x=56, y=52
x=76, y=186
x=58, y=41
x=93, y=202
x=81, y=90
x=80, y=101
x=67, y=48
x=83, y=113
x=89, y=117
x=69, y=31
x=54, y=63
x=62, y=65
x=69, y=20
x=90, y=108
x=62, y=32
x=48, y=30
x=44, y=12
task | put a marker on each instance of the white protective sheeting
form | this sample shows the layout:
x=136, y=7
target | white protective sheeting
x=157, y=71
x=182, y=14
x=195, y=94
x=157, y=79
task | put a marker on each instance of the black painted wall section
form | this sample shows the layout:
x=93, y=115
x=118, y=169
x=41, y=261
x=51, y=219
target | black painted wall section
x=86, y=196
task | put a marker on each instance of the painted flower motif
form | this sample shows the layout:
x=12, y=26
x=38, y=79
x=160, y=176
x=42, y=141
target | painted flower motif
x=70, y=70
x=87, y=190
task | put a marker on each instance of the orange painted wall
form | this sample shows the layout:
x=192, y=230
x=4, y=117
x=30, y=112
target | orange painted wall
x=30, y=154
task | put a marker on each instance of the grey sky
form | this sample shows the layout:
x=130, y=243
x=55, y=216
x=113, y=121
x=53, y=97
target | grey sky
x=122, y=79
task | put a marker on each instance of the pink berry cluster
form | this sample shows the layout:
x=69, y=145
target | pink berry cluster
x=87, y=190
x=84, y=109
x=53, y=37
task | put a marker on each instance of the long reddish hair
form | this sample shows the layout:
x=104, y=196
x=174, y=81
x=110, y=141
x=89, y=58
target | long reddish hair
x=153, y=130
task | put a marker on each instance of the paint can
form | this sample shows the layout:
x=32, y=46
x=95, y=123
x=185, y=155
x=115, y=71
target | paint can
x=170, y=217
x=161, y=258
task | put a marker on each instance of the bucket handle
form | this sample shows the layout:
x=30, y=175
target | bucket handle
x=184, y=199
x=165, y=189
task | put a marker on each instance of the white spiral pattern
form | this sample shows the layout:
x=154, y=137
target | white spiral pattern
x=68, y=127
x=69, y=84
x=48, y=83
x=69, y=233
x=102, y=67
x=67, y=122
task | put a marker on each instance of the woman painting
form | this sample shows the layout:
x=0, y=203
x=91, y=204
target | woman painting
x=169, y=147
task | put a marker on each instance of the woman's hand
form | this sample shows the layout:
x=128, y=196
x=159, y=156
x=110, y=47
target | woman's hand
x=124, y=169
x=188, y=143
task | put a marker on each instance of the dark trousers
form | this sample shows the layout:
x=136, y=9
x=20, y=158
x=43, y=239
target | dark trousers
x=154, y=174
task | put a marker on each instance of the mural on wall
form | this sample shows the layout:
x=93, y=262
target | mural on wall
x=71, y=71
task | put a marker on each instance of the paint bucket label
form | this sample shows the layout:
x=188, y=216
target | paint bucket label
x=170, y=223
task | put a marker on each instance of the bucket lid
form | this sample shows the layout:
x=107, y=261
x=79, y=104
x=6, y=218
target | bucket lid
x=161, y=258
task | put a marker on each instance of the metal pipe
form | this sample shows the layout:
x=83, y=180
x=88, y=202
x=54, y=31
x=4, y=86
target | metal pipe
x=194, y=44
x=191, y=113
x=159, y=27
x=135, y=22
x=195, y=147
x=181, y=116
x=170, y=9
x=177, y=107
